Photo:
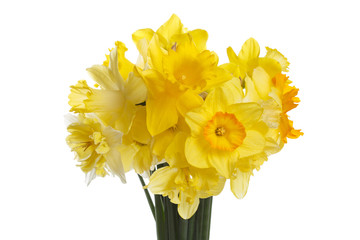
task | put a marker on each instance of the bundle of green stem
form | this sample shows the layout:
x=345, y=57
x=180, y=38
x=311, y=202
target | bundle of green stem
x=171, y=226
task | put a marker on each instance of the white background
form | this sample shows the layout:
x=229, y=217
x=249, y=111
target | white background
x=310, y=190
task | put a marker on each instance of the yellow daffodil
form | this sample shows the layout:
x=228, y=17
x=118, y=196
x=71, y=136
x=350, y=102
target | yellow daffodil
x=276, y=97
x=115, y=102
x=175, y=84
x=185, y=186
x=223, y=134
x=288, y=100
x=95, y=147
x=248, y=59
x=171, y=33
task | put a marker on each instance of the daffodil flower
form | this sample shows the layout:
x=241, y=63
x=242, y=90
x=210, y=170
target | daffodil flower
x=115, y=101
x=248, y=59
x=95, y=147
x=185, y=186
x=175, y=84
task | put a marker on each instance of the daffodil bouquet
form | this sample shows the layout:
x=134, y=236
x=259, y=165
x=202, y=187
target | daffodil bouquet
x=183, y=121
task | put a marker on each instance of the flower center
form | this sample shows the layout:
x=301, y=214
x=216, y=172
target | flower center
x=220, y=131
x=224, y=132
x=101, y=145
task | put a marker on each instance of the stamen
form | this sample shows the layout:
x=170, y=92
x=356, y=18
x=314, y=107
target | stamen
x=220, y=131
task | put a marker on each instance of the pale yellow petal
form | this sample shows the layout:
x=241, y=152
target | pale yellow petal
x=197, y=151
x=251, y=94
x=216, y=101
x=142, y=34
x=233, y=90
x=239, y=184
x=246, y=113
x=161, y=143
x=275, y=54
x=114, y=68
x=221, y=160
x=136, y=91
x=162, y=180
x=253, y=143
x=197, y=120
x=123, y=123
x=143, y=160
x=127, y=153
x=79, y=93
x=187, y=206
x=175, y=153
x=104, y=77
x=262, y=82
x=105, y=101
x=250, y=50
x=271, y=66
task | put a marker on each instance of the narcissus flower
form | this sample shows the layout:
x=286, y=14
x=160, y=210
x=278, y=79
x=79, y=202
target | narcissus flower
x=174, y=86
x=115, y=103
x=225, y=135
x=248, y=59
x=150, y=44
x=287, y=100
x=95, y=147
x=185, y=186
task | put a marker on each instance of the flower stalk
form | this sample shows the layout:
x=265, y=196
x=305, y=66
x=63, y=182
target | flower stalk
x=148, y=197
x=171, y=226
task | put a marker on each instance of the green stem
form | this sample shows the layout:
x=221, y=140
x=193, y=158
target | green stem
x=161, y=228
x=206, y=218
x=172, y=219
x=199, y=220
x=191, y=228
x=183, y=229
x=148, y=197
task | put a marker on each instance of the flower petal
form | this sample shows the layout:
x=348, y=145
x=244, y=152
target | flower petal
x=239, y=184
x=188, y=101
x=196, y=152
x=250, y=50
x=199, y=37
x=187, y=207
x=275, y=54
x=103, y=76
x=220, y=160
x=262, y=82
x=246, y=113
x=161, y=113
x=254, y=143
x=232, y=56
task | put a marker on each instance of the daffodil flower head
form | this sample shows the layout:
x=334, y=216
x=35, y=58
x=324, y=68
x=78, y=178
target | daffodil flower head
x=95, y=147
x=248, y=59
x=174, y=86
x=185, y=186
x=115, y=101
x=224, y=133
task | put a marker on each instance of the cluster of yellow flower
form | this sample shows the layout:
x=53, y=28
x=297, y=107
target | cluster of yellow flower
x=176, y=105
